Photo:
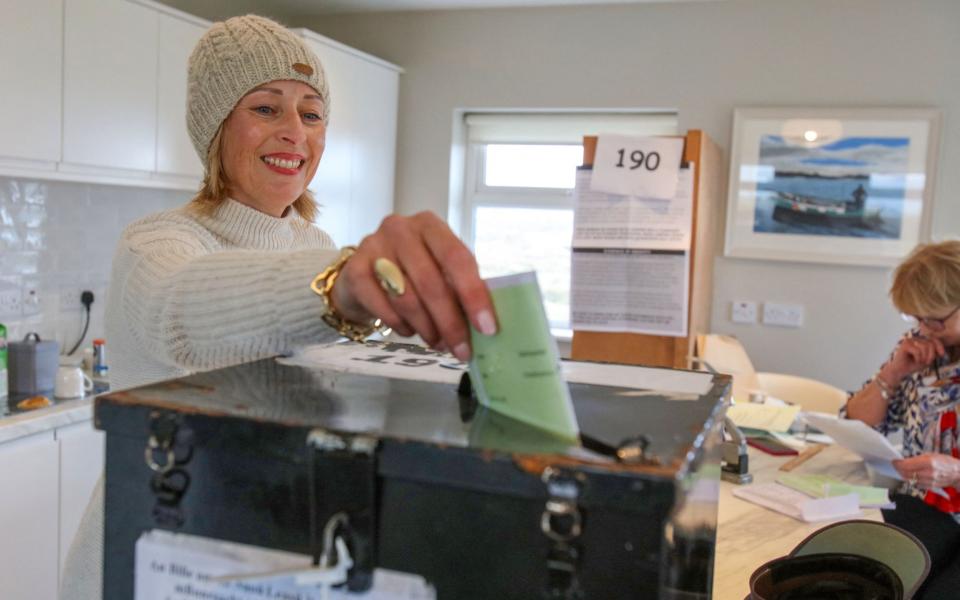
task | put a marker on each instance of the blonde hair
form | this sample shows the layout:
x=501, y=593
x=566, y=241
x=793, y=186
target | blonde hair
x=927, y=283
x=215, y=183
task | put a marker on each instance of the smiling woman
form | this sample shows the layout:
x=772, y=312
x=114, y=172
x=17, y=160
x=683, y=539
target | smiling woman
x=272, y=143
x=235, y=275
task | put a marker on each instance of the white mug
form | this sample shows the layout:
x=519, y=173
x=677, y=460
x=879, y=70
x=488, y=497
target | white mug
x=71, y=382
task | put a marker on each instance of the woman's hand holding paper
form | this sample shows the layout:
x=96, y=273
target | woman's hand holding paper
x=932, y=470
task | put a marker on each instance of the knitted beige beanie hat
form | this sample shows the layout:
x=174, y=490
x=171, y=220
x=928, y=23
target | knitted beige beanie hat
x=235, y=56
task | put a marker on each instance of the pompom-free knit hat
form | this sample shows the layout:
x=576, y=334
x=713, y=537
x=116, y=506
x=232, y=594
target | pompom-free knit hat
x=235, y=56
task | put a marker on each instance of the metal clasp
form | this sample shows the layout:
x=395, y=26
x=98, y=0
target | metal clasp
x=163, y=433
x=561, y=520
x=153, y=446
x=562, y=523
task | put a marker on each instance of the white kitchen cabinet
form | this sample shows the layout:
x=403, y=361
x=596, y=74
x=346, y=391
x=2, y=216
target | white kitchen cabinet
x=354, y=182
x=82, y=455
x=110, y=84
x=374, y=153
x=175, y=153
x=31, y=49
x=28, y=517
x=332, y=181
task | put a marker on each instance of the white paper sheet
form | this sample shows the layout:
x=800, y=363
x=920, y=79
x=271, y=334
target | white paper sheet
x=605, y=220
x=172, y=566
x=630, y=266
x=403, y=361
x=860, y=438
x=636, y=291
x=638, y=166
x=798, y=505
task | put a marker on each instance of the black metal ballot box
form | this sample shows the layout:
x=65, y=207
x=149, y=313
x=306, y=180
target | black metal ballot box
x=479, y=505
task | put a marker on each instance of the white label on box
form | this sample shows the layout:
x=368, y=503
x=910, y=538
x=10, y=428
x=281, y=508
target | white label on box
x=175, y=566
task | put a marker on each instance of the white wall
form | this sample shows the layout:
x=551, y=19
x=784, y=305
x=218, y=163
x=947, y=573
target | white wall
x=704, y=59
x=57, y=237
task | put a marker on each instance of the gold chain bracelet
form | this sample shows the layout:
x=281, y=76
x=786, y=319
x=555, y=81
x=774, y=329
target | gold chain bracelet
x=322, y=285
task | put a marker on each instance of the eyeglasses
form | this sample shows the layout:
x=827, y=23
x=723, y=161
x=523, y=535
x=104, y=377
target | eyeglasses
x=931, y=323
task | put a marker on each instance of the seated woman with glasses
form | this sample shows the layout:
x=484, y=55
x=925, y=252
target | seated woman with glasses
x=918, y=389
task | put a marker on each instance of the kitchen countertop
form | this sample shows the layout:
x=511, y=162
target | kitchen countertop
x=17, y=424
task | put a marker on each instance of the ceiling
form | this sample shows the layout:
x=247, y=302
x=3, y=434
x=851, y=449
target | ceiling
x=309, y=8
x=341, y=6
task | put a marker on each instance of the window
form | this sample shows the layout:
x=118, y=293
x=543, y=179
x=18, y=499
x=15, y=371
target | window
x=517, y=209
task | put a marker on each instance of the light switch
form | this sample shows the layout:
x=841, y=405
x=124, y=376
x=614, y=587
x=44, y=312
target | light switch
x=743, y=311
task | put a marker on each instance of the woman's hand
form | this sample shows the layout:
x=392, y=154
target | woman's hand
x=929, y=470
x=442, y=284
x=911, y=355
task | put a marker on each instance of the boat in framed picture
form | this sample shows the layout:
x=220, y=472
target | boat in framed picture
x=832, y=186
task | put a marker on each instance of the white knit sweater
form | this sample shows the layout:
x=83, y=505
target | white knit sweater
x=192, y=293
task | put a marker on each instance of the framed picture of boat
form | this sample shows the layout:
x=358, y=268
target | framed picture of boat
x=830, y=186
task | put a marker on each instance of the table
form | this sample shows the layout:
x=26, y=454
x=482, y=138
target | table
x=749, y=535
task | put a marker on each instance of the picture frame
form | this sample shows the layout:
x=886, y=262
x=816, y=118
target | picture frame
x=840, y=186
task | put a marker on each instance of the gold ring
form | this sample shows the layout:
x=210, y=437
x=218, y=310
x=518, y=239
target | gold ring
x=390, y=276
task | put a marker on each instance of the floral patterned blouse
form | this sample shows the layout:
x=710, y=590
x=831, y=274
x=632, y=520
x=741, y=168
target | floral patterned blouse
x=926, y=406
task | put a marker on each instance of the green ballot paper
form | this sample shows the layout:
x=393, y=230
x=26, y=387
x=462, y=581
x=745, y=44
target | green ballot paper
x=517, y=372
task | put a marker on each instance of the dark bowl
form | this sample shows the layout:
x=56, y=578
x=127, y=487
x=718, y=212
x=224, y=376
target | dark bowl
x=830, y=576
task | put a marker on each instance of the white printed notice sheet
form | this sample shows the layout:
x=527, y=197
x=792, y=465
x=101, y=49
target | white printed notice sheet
x=630, y=267
x=172, y=566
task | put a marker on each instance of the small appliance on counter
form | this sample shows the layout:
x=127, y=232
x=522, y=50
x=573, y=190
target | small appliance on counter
x=32, y=364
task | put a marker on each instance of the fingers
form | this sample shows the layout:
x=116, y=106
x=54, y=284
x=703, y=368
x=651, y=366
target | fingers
x=938, y=346
x=437, y=304
x=442, y=283
x=357, y=294
x=445, y=276
x=918, y=352
x=461, y=272
x=928, y=470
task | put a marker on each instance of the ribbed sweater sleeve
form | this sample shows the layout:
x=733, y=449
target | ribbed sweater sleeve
x=184, y=298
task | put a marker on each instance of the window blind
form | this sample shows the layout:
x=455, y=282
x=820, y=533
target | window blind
x=564, y=128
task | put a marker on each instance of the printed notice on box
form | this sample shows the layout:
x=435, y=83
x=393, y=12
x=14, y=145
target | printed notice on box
x=172, y=566
x=630, y=269
x=637, y=166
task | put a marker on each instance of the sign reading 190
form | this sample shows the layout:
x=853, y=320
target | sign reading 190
x=649, y=161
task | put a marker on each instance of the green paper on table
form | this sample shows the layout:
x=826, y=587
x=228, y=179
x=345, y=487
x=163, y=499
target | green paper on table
x=517, y=371
x=824, y=486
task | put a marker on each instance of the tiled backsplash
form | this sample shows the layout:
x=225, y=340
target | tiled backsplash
x=57, y=238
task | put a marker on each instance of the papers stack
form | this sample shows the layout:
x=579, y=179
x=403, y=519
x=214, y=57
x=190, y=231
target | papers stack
x=858, y=437
x=824, y=486
x=797, y=504
x=768, y=417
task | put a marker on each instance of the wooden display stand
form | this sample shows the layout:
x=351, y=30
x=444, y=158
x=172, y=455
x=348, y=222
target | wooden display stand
x=661, y=350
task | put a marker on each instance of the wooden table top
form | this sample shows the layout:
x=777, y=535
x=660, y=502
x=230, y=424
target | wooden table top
x=749, y=535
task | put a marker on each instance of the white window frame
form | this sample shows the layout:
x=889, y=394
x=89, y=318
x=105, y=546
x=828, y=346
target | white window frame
x=467, y=157
x=479, y=194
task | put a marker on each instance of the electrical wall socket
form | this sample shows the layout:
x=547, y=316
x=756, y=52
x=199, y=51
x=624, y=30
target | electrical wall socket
x=30, y=299
x=743, y=311
x=784, y=315
x=70, y=299
x=10, y=303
